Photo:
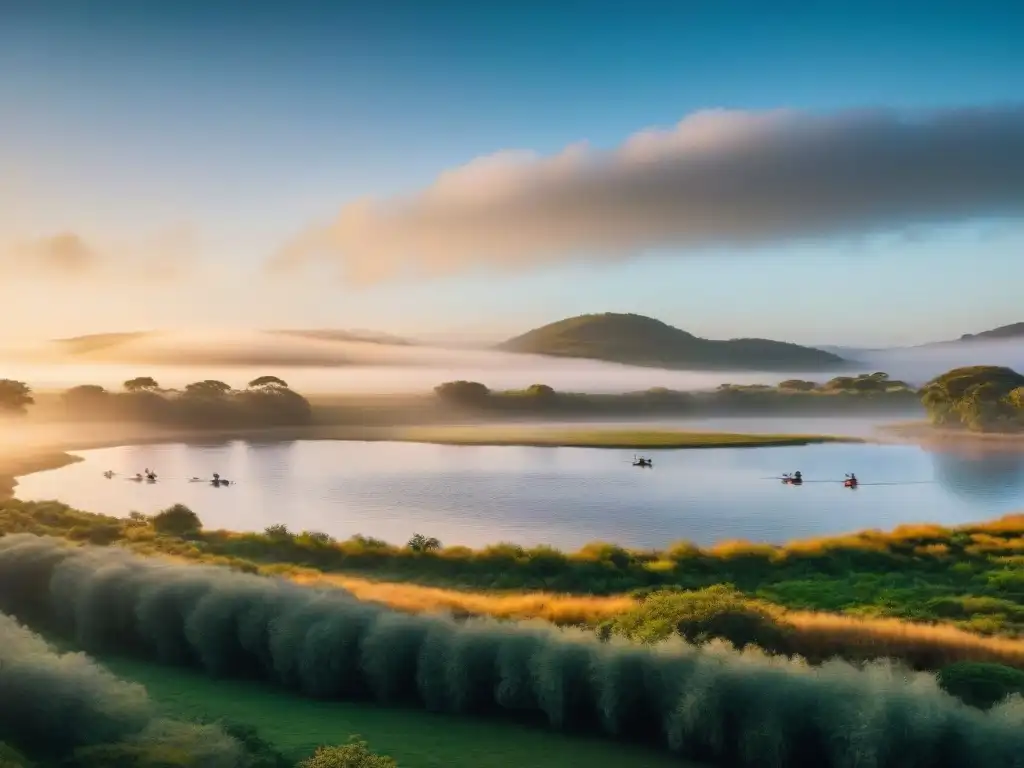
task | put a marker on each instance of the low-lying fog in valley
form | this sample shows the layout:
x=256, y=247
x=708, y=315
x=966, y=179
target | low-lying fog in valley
x=329, y=366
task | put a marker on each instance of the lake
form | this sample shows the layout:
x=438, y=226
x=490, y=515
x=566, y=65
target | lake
x=559, y=496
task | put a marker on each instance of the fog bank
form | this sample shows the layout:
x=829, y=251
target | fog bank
x=327, y=366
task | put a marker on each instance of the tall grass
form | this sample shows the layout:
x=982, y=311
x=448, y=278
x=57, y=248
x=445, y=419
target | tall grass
x=712, y=705
x=811, y=635
x=56, y=705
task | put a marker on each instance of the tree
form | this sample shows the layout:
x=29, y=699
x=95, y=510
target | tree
x=1016, y=399
x=355, y=754
x=207, y=389
x=177, y=520
x=980, y=398
x=267, y=383
x=463, y=392
x=87, y=397
x=541, y=392
x=420, y=543
x=141, y=384
x=980, y=684
x=15, y=397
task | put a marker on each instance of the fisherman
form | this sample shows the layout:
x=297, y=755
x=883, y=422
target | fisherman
x=798, y=477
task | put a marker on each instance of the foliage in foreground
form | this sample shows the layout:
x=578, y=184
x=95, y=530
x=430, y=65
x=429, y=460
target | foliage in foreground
x=355, y=754
x=713, y=705
x=63, y=708
x=968, y=576
x=59, y=706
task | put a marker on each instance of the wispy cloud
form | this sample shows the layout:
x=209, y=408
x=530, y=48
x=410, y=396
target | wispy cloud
x=718, y=178
x=70, y=256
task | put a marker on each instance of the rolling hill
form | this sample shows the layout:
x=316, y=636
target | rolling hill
x=1002, y=333
x=643, y=341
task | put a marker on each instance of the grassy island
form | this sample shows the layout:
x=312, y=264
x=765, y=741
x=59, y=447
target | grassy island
x=602, y=438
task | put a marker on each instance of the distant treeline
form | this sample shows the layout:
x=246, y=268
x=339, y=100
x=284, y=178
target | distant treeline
x=266, y=401
x=709, y=704
x=843, y=394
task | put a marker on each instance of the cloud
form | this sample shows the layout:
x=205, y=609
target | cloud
x=718, y=178
x=65, y=254
x=166, y=255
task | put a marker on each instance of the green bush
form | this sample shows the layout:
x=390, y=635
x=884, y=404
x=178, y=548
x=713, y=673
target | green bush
x=355, y=754
x=177, y=520
x=66, y=707
x=703, y=704
x=718, y=612
x=979, y=684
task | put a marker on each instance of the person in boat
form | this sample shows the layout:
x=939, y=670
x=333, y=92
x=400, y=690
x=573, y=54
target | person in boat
x=797, y=477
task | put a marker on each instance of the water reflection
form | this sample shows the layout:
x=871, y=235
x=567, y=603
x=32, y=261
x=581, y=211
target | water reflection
x=561, y=496
x=994, y=476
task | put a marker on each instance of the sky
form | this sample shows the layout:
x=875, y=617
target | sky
x=827, y=173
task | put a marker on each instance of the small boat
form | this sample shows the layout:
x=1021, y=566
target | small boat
x=109, y=474
x=642, y=462
x=795, y=479
x=851, y=481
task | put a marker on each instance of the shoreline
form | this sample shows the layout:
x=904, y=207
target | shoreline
x=924, y=434
x=47, y=455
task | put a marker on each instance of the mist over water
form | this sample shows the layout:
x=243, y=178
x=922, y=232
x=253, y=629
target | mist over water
x=327, y=366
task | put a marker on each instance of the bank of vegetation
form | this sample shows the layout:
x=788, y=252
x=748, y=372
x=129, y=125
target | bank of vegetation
x=705, y=703
x=982, y=398
x=624, y=439
x=928, y=595
x=63, y=709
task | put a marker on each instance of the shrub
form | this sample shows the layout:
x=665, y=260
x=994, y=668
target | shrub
x=707, y=704
x=718, y=612
x=57, y=706
x=980, y=684
x=355, y=754
x=177, y=520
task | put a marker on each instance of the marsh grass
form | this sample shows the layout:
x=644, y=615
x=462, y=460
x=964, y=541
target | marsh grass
x=713, y=705
x=605, y=438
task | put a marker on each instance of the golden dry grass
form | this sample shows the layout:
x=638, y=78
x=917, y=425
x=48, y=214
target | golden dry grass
x=816, y=635
x=559, y=609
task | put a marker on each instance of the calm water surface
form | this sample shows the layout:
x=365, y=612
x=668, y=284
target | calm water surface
x=561, y=496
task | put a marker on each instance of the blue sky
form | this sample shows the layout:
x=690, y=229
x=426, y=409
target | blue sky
x=234, y=126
